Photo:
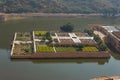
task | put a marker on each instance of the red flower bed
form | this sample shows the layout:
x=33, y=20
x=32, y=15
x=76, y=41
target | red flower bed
x=87, y=41
x=81, y=34
x=63, y=34
x=66, y=41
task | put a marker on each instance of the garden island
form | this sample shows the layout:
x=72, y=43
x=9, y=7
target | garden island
x=58, y=44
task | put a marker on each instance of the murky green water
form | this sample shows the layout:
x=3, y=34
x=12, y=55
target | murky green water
x=79, y=69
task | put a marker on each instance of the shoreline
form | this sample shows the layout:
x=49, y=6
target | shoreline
x=9, y=16
x=13, y=16
x=50, y=14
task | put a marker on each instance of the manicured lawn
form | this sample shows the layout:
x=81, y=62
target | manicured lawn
x=44, y=49
x=90, y=49
x=66, y=49
x=41, y=33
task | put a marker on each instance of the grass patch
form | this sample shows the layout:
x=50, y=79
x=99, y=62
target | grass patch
x=44, y=49
x=90, y=49
x=66, y=49
x=40, y=33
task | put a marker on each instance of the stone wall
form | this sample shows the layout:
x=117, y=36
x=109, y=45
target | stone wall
x=113, y=42
x=86, y=55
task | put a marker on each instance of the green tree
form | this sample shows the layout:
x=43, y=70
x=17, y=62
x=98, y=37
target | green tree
x=111, y=12
x=101, y=44
x=102, y=47
x=97, y=38
x=23, y=9
x=89, y=31
x=48, y=37
x=67, y=27
x=79, y=46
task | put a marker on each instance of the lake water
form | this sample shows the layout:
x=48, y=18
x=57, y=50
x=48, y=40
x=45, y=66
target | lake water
x=75, y=69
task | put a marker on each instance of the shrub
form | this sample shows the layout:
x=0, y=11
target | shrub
x=89, y=49
x=40, y=33
x=67, y=27
x=44, y=49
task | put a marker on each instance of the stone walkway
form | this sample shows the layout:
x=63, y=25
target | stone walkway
x=24, y=42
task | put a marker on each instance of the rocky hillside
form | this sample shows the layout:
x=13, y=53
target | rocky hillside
x=60, y=6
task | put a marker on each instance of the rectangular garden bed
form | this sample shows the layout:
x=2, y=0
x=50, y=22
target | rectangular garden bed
x=40, y=44
x=25, y=49
x=23, y=36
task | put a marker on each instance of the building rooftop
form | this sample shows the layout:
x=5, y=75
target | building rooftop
x=117, y=34
x=110, y=28
x=118, y=27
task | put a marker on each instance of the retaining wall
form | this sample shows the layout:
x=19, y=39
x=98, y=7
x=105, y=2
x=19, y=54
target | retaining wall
x=94, y=55
x=13, y=45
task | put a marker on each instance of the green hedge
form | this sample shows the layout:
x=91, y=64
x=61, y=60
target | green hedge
x=66, y=49
x=90, y=49
x=44, y=49
x=40, y=33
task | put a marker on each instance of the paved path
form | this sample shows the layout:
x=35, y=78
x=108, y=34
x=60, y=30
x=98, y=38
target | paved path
x=24, y=42
x=54, y=49
x=101, y=35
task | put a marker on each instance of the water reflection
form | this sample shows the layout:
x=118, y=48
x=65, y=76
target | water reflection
x=78, y=61
x=116, y=55
x=26, y=69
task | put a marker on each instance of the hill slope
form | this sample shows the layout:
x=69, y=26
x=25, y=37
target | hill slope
x=59, y=6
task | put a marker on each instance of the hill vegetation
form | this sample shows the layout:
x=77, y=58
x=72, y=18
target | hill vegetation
x=107, y=7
